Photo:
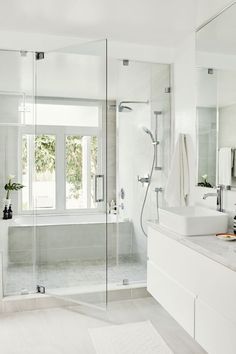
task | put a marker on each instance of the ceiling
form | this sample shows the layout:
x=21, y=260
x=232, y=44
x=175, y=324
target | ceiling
x=150, y=22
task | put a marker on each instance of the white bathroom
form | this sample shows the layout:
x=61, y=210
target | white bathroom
x=117, y=177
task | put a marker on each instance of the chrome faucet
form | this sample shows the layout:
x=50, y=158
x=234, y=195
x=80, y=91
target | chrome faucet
x=218, y=195
x=144, y=180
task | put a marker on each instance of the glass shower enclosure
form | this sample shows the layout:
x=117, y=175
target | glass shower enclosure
x=53, y=117
x=79, y=151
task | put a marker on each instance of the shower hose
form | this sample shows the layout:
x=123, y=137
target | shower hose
x=146, y=193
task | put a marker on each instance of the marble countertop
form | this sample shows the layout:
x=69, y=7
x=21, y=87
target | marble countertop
x=223, y=252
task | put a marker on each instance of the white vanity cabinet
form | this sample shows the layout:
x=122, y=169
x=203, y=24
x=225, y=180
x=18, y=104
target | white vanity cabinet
x=197, y=291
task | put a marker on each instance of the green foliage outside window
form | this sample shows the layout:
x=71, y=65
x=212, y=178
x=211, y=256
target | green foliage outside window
x=45, y=150
x=45, y=161
x=74, y=164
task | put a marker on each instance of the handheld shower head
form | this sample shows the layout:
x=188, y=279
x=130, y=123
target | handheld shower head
x=147, y=131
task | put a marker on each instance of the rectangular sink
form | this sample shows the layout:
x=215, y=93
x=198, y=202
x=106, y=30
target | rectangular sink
x=194, y=220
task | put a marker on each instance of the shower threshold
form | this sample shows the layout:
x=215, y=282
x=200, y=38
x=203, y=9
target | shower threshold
x=74, y=277
x=94, y=297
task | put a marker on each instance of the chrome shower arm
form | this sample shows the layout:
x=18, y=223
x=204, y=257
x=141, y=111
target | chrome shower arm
x=121, y=107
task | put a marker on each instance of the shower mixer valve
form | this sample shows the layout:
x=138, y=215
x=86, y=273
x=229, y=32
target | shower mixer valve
x=144, y=179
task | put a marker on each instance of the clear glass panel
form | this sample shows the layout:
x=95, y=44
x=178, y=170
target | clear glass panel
x=18, y=234
x=216, y=100
x=145, y=87
x=71, y=240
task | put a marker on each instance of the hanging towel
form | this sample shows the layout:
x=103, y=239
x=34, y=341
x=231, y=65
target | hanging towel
x=178, y=183
x=225, y=166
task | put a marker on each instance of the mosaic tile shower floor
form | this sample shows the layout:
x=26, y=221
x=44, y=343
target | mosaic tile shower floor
x=24, y=278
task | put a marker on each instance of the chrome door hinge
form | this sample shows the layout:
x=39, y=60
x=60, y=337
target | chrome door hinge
x=39, y=55
x=41, y=289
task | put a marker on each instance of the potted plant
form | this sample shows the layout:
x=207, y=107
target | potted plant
x=9, y=187
x=205, y=183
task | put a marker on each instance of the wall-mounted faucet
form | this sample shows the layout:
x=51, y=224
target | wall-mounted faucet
x=219, y=197
x=144, y=179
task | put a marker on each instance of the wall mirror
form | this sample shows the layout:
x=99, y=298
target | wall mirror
x=216, y=100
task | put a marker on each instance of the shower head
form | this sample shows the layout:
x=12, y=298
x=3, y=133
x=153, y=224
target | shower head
x=122, y=108
x=147, y=131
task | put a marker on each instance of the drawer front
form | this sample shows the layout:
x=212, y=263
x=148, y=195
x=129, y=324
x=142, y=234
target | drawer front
x=211, y=281
x=174, y=258
x=214, y=332
x=178, y=301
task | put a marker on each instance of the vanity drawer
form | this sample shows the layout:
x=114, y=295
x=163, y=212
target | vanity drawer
x=177, y=300
x=177, y=260
x=214, y=332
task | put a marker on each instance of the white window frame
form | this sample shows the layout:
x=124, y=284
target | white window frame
x=60, y=133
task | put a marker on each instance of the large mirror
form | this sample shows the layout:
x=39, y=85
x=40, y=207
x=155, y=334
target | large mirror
x=216, y=101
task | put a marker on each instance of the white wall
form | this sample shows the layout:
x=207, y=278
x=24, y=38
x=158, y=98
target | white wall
x=184, y=104
x=185, y=87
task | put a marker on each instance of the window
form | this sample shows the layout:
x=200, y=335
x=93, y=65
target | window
x=60, y=162
x=38, y=171
x=63, y=114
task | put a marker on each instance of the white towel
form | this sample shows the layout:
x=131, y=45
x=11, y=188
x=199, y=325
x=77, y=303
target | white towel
x=225, y=166
x=178, y=183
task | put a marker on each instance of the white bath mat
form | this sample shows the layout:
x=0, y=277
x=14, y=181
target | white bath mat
x=131, y=338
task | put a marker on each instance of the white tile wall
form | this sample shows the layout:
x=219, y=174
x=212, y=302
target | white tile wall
x=67, y=242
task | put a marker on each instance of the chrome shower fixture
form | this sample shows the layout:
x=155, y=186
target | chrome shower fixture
x=124, y=108
x=123, y=105
x=147, y=131
x=23, y=53
x=125, y=62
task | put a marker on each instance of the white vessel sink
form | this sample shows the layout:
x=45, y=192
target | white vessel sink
x=194, y=220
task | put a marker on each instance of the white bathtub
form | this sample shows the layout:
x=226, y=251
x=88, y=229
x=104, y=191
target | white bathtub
x=44, y=220
x=64, y=237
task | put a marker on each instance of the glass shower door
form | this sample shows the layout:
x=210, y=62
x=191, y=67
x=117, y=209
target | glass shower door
x=17, y=234
x=69, y=187
x=148, y=107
